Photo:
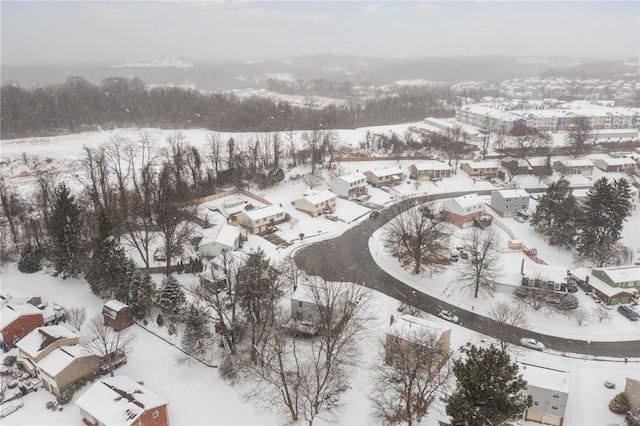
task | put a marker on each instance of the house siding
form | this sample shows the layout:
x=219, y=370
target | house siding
x=147, y=419
x=78, y=369
x=550, y=410
x=19, y=328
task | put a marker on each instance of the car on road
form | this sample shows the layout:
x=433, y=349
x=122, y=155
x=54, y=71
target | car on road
x=449, y=316
x=331, y=217
x=532, y=344
x=627, y=312
x=10, y=407
x=385, y=188
x=374, y=214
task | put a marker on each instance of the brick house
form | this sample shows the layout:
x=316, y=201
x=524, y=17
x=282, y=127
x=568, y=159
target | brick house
x=117, y=315
x=41, y=342
x=16, y=321
x=317, y=203
x=387, y=176
x=259, y=220
x=349, y=186
x=66, y=365
x=609, y=294
x=407, y=335
x=429, y=170
x=623, y=165
x=507, y=202
x=461, y=211
x=484, y=169
x=121, y=401
x=549, y=390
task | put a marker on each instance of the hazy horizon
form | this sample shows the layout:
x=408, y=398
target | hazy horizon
x=115, y=32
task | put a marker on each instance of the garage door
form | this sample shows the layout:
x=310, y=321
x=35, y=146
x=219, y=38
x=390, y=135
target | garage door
x=548, y=419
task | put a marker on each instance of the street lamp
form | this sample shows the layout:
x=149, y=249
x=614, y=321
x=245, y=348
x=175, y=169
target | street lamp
x=587, y=353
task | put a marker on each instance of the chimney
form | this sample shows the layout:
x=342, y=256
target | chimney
x=391, y=320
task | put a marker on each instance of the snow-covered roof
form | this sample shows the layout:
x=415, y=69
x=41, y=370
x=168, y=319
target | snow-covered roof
x=351, y=178
x=618, y=161
x=513, y=193
x=546, y=272
x=623, y=274
x=431, y=165
x=61, y=358
x=222, y=234
x=320, y=197
x=115, y=305
x=600, y=285
x=537, y=161
x=389, y=171
x=12, y=312
x=13, y=296
x=42, y=337
x=264, y=212
x=118, y=400
x=577, y=163
x=545, y=378
x=469, y=200
x=482, y=164
x=415, y=329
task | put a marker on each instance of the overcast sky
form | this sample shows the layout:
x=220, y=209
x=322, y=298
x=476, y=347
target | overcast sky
x=118, y=31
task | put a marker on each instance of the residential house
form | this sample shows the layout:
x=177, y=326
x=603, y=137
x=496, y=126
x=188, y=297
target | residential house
x=623, y=165
x=222, y=237
x=621, y=276
x=507, y=202
x=307, y=308
x=316, y=204
x=549, y=390
x=538, y=165
x=349, y=186
x=41, y=342
x=16, y=321
x=609, y=294
x=517, y=166
x=117, y=315
x=632, y=392
x=121, y=401
x=407, y=335
x=10, y=296
x=259, y=220
x=546, y=277
x=387, y=176
x=462, y=211
x=66, y=365
x=429, y=170
x=480, y=169
x=574, y=167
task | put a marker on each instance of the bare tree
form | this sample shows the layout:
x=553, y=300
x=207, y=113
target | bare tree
x=95, y=177
x=508, y=316
x=109, y=345
x=214, y=153
x=313, y=139
x=312, y=179
x=579, y=132
x=528, y=140
x=479, y=272
x=306, y=377
x=532, y=297
x=456, y=145
x=13, y=207
x=289, y=137
x=331, y=145
x=418, y=238
x=76, y=316
x=601, y=313
x=580, y=315
x=403, y=392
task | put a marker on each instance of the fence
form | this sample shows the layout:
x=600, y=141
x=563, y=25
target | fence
x=230, y=192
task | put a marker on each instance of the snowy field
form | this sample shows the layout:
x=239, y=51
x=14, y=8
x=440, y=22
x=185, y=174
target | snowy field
x=195, y=392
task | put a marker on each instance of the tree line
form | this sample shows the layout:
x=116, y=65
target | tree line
x=78, y=105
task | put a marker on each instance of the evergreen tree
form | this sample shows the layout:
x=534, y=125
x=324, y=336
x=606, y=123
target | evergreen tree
x=171, y=297
x=196, y=330
x=488, y=388
x=65, y=227
x=602, y=221
x=557, y=214
x=108, y=265
x=142, y=293
x=30, y=258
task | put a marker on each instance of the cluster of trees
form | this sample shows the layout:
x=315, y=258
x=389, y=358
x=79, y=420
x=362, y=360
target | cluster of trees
x=593, y=228
x=120, y=102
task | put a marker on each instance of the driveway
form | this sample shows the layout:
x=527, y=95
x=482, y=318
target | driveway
x=347, y=258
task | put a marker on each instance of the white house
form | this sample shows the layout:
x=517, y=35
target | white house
x=218, y=239
x=349, y=186
x=480, y=168
x=429, y=170
x=549, y=390
x=507, y=202
x=258, y=220
x=317, y=203
x=387, y=176
x=461, y=211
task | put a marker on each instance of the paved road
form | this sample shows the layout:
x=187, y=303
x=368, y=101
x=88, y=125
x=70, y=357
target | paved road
x=347, y=258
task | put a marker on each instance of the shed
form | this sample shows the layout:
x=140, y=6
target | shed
x=117, y=315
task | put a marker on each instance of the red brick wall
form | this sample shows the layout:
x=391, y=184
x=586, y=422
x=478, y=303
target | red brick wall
x=21, y=327
x=147, y=418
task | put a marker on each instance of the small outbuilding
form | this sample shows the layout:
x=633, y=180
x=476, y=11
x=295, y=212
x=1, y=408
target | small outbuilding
x=117, y=315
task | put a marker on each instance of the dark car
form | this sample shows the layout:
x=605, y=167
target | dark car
x=374, y=214
x=628, y=312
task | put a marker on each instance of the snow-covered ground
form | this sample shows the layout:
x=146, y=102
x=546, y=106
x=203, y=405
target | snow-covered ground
x=195, y=392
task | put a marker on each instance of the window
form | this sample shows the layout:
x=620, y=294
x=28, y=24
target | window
x=300, y=303
x=556, y=394
x=155, y=414
x=554, y=406
x=536, y=403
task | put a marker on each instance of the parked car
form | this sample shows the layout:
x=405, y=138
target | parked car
x=374, y=214
x=10, y=407
x=449, y=316
x=454, y=255
x=532, y=344
x=331, y=217
x=464, y=254
x=609, y=385
x=385, y=188
x=519, y=219
x=629, y=313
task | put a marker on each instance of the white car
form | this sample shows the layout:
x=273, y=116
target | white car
x=449, y=316
x=532, y=344
x=519, y=219
x=10, y=407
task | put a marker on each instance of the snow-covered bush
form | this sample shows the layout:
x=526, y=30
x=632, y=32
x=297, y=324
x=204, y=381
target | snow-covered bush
x=619, y=404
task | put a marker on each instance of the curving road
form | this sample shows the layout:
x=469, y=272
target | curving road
x=347, y=258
